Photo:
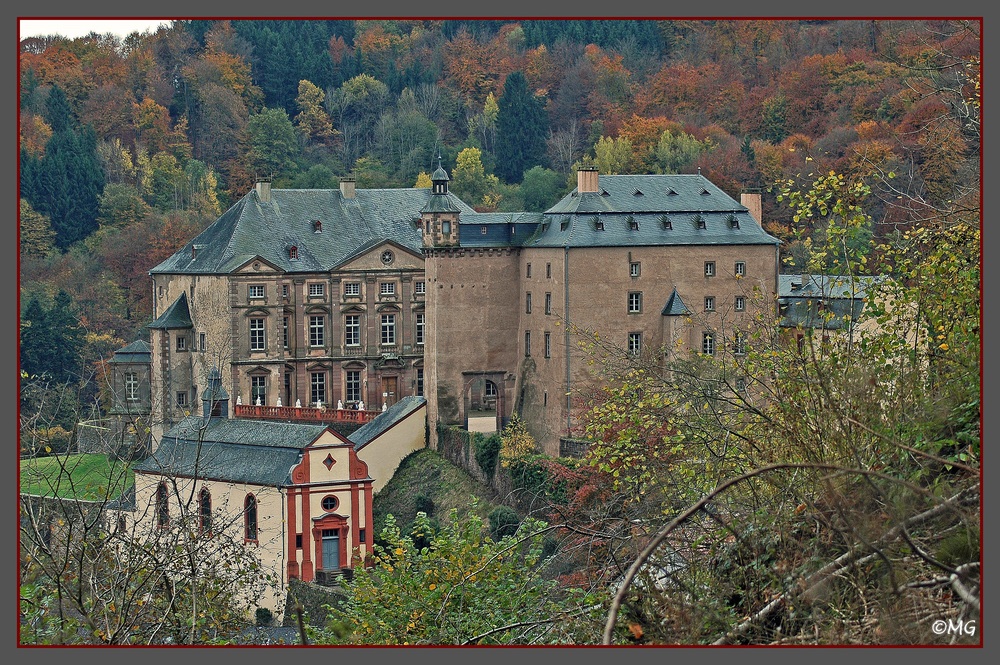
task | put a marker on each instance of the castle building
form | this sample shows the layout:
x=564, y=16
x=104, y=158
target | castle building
x=350, y=296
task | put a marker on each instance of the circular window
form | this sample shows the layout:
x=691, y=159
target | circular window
x=329, y=503
x=387, y=257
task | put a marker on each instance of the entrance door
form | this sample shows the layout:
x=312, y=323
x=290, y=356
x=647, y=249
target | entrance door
x=389, y=390
x=331, y=549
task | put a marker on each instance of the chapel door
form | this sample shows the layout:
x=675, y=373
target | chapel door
x=331, y=549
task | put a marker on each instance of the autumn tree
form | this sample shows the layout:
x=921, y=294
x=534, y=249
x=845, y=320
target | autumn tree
x=312, y=120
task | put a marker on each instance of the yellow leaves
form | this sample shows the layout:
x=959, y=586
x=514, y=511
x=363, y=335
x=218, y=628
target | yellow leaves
x=432, y=586
x=398, y=551
x=944, y=346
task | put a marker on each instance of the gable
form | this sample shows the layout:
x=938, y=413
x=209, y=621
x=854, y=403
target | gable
x=256, y=265
x=402, y=258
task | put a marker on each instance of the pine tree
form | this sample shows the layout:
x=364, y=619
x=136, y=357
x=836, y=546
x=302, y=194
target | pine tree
x=522, y=129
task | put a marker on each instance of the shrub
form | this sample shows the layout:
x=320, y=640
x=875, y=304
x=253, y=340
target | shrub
x=503, y=522
x=487, y=453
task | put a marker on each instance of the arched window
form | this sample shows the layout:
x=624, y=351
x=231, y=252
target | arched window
x=250, y=517
x=205, y=511
x=162, y=510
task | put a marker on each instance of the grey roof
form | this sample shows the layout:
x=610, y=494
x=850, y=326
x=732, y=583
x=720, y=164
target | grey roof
x=258, y=452
x=136, y=352
x=176, y=316
x=125, y=501
x=842, y=297
x=371, y=430
x=665, y=210
x=675, y=306
x=502, y=229
x=251, y=228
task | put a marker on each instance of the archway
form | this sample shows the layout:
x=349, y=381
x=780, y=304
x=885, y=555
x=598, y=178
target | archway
x=482, y=400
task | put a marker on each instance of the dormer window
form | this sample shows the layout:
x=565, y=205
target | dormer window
x=667, y=224
x=671, y=192
x=598, y=224
x=699, y=221
x=636, y=192
x=734, y=223
x=705, y=192
x=293, y=253
x=633, y=224
x=317, y=226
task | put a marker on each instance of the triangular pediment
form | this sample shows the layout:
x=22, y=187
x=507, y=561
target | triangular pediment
x=255, y=266
x=384, y=255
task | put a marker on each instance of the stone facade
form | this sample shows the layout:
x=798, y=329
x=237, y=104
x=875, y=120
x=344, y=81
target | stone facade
x=372, y=295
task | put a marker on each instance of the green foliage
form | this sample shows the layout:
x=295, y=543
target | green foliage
x=488, y=452
x=503, y=522
x=273, y=144
x=522, y=128
x=464, y=588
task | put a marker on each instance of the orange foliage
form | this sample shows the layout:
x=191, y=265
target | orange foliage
x=34, y=134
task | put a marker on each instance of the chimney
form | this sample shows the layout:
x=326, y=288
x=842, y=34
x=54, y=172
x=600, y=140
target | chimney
x=263, y=188
x=347, y=187
x=586, y=180
x=752, y=201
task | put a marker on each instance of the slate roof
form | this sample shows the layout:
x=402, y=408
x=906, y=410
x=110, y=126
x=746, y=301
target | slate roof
x=503, y=229
x=371, y=430
x=176, y=316
x=665, y=208
x=258, y=452
x=843, y=298
x=252, y=228
x=136, y=352
x=675, y=306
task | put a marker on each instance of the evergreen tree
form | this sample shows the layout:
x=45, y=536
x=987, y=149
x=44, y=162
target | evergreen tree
x=522, y=128
x=57, y=112
x=51, y=339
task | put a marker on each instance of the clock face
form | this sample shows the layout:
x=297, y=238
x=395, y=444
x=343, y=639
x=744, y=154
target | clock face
x=387, y=257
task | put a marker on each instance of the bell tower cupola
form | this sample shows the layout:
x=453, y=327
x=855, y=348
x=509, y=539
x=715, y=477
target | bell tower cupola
x=440, y=214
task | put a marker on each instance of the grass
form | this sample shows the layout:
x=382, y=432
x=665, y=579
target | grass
x=87, y=477
x=427, y=472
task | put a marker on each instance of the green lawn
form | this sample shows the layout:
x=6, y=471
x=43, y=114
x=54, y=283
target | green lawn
x=88, y=477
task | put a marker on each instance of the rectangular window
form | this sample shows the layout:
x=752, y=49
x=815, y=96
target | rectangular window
x=316, y=290
x=317, y=330
x=388, y=329
x=708, y=343
x=739, y=344
x=446, y=227
x=182, y=398
x=419, y=325
x=352, y=330
x=387, y=289
x=634, y=343
x=548, y=271
x=482, y=229
x=548, y=345
x=258, y=390
x=131, y=386
x=634, y=302
x=633, y=269
x=284, y=332
x=353, y=385
x=420, y=288
x=201, y=341
x=548, y=303
x=420, y=381
x=317, y=388
x=362, y=536
x=352, y=288
x=709, y=303
x=527, y=302
x=740, y=269
x=527, y=343
x=284, y=290
x=255, y=291
x=258, y=340
x=182, y=343
x=709, y=268
x=527, y=270
x=740, y=304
